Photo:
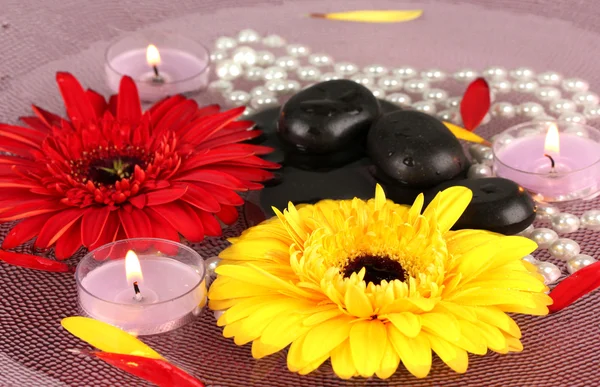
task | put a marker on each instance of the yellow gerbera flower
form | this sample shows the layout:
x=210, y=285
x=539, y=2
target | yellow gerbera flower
x=372, y=283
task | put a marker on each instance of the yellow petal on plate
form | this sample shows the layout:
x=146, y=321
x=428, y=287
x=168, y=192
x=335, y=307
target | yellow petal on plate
x=325, y=337
x=341, y=361
x=389, y=362
x=367, y=346
x=107, y=338
x=372, y=16
x=415, y=353
x=464, y=134
x=454, y=357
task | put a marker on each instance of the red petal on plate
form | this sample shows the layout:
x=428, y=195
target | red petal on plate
x=129, y=108
x=24, y=231
x=157, y=371
x=49, y=119
x=245, y=173
x=30, y=208
x=93, y=223
x=201, y=198
x=166, y=195
x=575, y=286
x=34, y=262
x=98, y=102
x=210, y=223
x=25, y=135
x=69, y=243
x=109, y=232
x=161, y=228
x=223, y=195
x=475, y=104
x=255, y=149
x=16, y=147
x=230, y=138
x=56, y=226
x=228, y=215
x=135, y=223
x=183, y=218
x=78, y=106
x=252, y=161
x=212, y=156
x=213, y=177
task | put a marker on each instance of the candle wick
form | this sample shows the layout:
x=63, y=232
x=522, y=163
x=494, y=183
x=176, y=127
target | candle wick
x=552, y=163
x=155, y=68
x=138, y=294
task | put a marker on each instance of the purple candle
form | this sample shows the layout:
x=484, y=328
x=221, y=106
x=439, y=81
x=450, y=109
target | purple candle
x=556, y=162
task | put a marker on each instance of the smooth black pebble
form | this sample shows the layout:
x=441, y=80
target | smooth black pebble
x=498, y=205
x=327, y=117
x=415, y=149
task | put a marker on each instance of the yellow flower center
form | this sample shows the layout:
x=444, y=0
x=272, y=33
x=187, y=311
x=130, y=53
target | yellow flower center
x=377, y=269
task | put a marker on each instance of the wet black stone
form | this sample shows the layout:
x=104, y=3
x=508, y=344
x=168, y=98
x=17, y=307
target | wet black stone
x=498, y=205
x=415, y=150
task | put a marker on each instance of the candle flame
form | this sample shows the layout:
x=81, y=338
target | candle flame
x=552, y=143
x=133, y=270
x=152, y=55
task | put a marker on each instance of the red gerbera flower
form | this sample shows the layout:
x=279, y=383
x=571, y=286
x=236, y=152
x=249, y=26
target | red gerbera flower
x=111, y=171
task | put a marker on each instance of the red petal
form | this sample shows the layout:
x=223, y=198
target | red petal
x=139, y=201
x=210, y=223
x=223, y=195
x=156, y=371
x=109, y=233
x=17, y=147
x=129, y=108
x=36, y=124
x=213, y=177
x=49, y=119
x=228, y=215
x=27, y=136
x=212, y=156
x=159, y=109
x=575, y=286
x=16, y=160
x=475, y=104
x=24, y=231
x=112, y=104
x=252, y=161
x=34, y=262
x=56, y=226
x=161, y=228
x=245, y=173
x=183, y=218
x=93, y=223
x=180, y=115
x=28, y=209
x=79, y=108
x=165, y=195
x=135, y=223
x=231, y=138
x=207, y=126
x=69, y=243
x=201, y=198
x=207, y=110
x=98, y=102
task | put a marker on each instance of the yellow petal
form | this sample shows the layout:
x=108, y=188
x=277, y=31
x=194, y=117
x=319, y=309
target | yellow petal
x=357, y=303
x=415, y=353
x=459, y=311
x=441, y=324
x=494, y=316
x=514, y=344
x=464, y=134
x=107, y=338
x=282, y=330
x=389, y=362
x=295, y=361
x=341, y=361
x=260, y=349
x=407, y=323
x=313, y=365
x=371, y=16
x=367, y=344
x=379, y=197
x=470, y=339
x=450, y=354
x=320, y=317
x=323, y=338
x=493, y=337
x=415, y=209
x=452, y=203
x=251, y=250
x=460, y=242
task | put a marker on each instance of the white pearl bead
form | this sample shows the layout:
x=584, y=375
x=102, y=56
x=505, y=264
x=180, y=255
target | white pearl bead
x=265, y=58
x=525, y=86
x=320, y=60
x=525, y=233
x=586, y=98
x=575, y=117
x=564, y=249
x=530, y=109
x=479, y=171
x=377, y=92
x=502, y=139
x=545, y=212
x=237, y=98
x=424, y=106
x=405, y=72
x=345, y=68
x=218, y=313
x=276, y=86
x=482, y=154
x=465, y=75
x=244, y=55
x=549, y=271
x=579, y=262
x=308, y=73
x=503, y=109
x=562, y=106
x=435, y=95
x=591, y=220
x=287, y=62
x=273, y=41
x=363, y=79
x=450, y=115
x=501, y=86
x=544, y=237
x=264, y=102
x=254, y=74
x=549, y=78
x=261, y=91
x=564, y=223
x=297, y=50
x=211, y=265
x=220, y=86
x=591, y=112
x=433, y=75
x=486, y=119
x=522, y=73
x=576, y=128
x=575, y=85
x=248, y=112
x=329, y=77
x=248, y=36
x=453, y=102
x=390, y=82
x=274, y=72
x=548, y=93
x=218, y=55
x=416, y=85
x=375, y=70
x=530, y=258
x=225, y=43
x=495, y=73
x=228, y=70
x=291, y=86
x=399, y=99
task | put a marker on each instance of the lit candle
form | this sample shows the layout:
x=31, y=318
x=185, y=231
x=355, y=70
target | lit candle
x=553, y=161
x=161, y=66
x=157, y=290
